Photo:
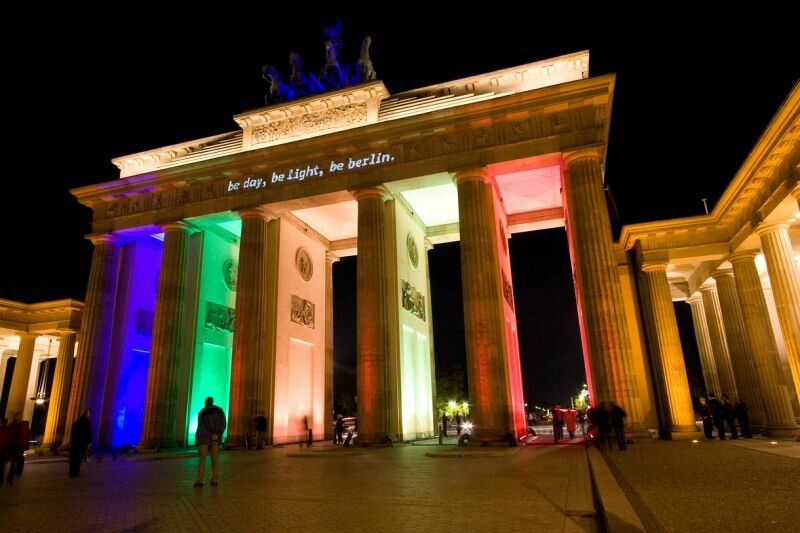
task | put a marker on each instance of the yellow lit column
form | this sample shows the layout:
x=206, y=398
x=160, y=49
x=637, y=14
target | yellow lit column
x=704, y=343
x=59, y=394
x=716, y=332
x=161, y=399
x=18, y=393
x=329, y=260
x=668, y=355
x=253, y=359
x=785, y=282
x=372, y=320
x=778, y=414
x=598, y=290
x=89, y=372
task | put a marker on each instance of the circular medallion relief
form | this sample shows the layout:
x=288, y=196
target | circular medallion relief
x=303, y=262
x=230, y=273
x=413, y=253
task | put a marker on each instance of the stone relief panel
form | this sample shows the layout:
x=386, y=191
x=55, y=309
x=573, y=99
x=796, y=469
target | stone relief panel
x=413, y=252
x=219, y=317
x=413, y=300
x=230, y=273
x=508, y=292
x=302, y=312
x=303, y=263
x=339, y=117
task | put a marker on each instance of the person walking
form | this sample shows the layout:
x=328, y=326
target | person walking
x=261, y=430
x=81, y=439
x=210, y=426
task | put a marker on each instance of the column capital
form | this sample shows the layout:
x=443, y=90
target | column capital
x=766, y=228
x=722, y=273
x=98, y=238
x=588, y=152
x=655, y=267
x=26, y=335
x=66, y=331
x=708, y=287
x=477, y=173
x=739, y=257
x=256, y=212
x=372, y=192
x=179, y=226
x=694, y=298
x=428, y=245
x=331, y=257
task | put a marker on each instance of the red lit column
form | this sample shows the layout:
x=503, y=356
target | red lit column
x=59, y=394
x=18, y=393
x=161, y=399
x=89, y=373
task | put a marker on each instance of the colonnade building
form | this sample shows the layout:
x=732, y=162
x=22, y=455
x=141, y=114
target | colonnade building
x=212, y=265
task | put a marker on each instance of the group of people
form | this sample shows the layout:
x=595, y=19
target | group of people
x=570, y=418
x=606, y=421
x=716, y=413
x=14, y=440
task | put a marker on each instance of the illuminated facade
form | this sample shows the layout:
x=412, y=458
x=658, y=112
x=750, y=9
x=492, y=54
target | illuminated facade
x=212, y=267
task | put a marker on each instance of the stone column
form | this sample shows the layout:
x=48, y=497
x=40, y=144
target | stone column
x=716, y=332
x=704, y=346
x=253, y=347
x=665, y=343
x=741, y=359
x=160, y=407
x=59, y=394
x=372, y=336
x=597, y=285
x=778, y=414
x=796, y=194
x=329, y=260
x=89, y=373
x=18, y=393
x=785, y=281
x=786, y=370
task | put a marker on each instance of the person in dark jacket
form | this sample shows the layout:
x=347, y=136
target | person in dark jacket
x=707, y=416
x=210, y=426
x=727, y=415
x=617, y=415
x=81, y=439
x=716, y=412
x=740, y=412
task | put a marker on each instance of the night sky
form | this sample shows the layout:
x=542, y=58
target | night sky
x=692, y=97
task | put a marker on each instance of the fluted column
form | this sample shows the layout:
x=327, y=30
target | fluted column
x=668, y=354
x=253, y=346
x=372, y=331
x=329, y=260
x=778, y=414
x=160, y=407
x=704, y=346
x=598, y=292
x=741, y=360
x=786, y=370
x=785, y=281
x=89, y=373
x=59, y=394
x=719, y=346
x=18, y=393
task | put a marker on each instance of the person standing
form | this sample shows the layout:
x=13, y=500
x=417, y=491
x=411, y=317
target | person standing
x=706, y=415
x=558, y=424
x=444, y=424
x=727, y=416
x=210, y=426
x=18, y=438
x=618, y=423
x=81, y=439
x=740, y=412
x=338, y=430
x=716, y=413
x=261, y=430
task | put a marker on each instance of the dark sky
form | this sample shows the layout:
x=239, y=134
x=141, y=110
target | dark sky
x=693, y=95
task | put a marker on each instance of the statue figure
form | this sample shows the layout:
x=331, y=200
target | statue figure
x=278, y=90
x=364, y=70
x=332, y=74
x=303, y=84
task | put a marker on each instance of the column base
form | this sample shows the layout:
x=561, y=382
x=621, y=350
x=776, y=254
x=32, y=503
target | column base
x=781, y=431
x=376, y=439
x=156, y=445
x=682, y=433
x=49, y=448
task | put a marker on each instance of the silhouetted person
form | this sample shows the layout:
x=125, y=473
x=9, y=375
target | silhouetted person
x=210, y=426
x=716, y=413
x=458, y=423
x=445, y=420
x=18, y=437
x=741, y=414
x=558, y=423
x=261, y=430
x=81, y=439
x=338, y=429
x=727, y=415
x=618, y=415
x=707, y=416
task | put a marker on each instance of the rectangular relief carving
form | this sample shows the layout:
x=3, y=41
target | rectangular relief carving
x=302, y=311
x=413, y=300
x=219, y=317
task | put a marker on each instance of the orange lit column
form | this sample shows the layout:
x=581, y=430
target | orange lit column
x=18, y=393
x=253, y=359
x=604, y=328
x=785, y=281
x=779, y=418
x=741, y=360
x=703, y=338
x=59, y=394
x=665, y=345
x=89, y=373
x=716, y=332
x=372, y=336
x=161, y=399
x=329, y=260
x=489, y=368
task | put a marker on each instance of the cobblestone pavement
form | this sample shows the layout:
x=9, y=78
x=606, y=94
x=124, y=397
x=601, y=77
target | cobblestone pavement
x=711, y=485
x=322, y=489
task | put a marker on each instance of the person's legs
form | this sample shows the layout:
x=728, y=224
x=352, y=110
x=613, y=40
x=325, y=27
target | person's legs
x=202, y=450
x=75, y=460
x=214, y=449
